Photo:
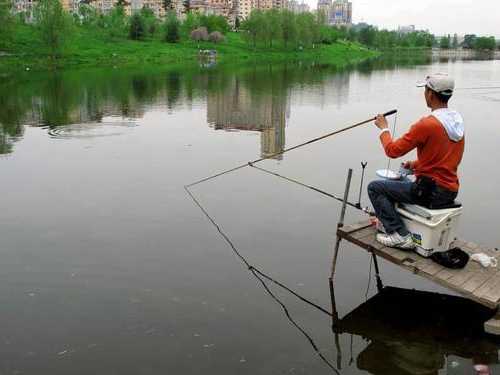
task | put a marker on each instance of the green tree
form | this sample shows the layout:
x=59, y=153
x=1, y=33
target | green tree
x=150, y=20
x=455, y=41
x=137, y=29
x=6, y=22
x=54, y=27
x=115, y=22
x=252, y=26
x=469, y=41
x=485, y=43
x=214, y=23
x=190, y=23
x=172, y=28
x=305, y=29
x=367, y=35
x=445, y=42
x=272, y=26
x=88, y=15
x=289, y=31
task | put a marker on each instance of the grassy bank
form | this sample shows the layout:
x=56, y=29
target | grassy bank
x=86, y=48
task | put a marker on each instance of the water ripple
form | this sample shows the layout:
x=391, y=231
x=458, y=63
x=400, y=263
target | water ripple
x=90, y=130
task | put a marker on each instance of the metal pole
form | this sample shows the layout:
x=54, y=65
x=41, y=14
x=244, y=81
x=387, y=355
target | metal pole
x=346, y=198
x=380, y=286
x=363, y=166
x=337, y=245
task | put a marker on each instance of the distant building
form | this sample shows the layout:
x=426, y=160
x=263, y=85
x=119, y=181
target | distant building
x=225, y=8
x=23, y=6
x=325, y=7
x=296, y=7
x=341, y=13
x=103, y=6
x=245, y=7
x=406, y=29
x=338, y=12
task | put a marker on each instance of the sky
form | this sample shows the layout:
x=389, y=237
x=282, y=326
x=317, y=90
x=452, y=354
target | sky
x=440, y=17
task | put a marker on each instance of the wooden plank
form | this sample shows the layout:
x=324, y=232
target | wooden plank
x=464, y=275
x=432, y=268
x=476, y=281
x=492, y=326
x=490, y=290
x=446, y=274
x=363, y=233
x=356, y=226
x=493, y=293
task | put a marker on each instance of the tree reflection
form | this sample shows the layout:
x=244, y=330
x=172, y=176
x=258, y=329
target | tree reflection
x=62, y=98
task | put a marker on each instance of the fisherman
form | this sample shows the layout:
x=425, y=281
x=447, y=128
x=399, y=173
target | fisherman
x=439, y=140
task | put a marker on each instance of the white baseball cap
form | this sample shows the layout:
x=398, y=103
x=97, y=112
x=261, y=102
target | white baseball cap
x=441, y=83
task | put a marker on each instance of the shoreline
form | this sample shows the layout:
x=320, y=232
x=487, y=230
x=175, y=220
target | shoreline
x=89, y=51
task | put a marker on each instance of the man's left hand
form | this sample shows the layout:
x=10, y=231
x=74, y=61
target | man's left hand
x=381, y=122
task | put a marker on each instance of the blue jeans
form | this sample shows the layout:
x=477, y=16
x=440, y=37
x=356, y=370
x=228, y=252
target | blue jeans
x=384, y=194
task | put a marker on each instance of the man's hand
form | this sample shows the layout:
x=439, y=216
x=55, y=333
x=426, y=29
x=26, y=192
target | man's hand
x=381, y=122
x=409, y=165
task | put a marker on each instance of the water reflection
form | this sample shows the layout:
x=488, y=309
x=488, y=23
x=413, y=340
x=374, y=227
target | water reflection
x=248, y=98
x=241, y=106
x=414, y=332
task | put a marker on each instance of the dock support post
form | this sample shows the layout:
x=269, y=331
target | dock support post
x=380, y=286
x=337, y=244
x=492, y=326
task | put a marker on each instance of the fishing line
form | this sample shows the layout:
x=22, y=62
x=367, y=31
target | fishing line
x=257, y=274
x=394, y=135
x=296, y=325
x=250, y=267
x=289, y=149
x=330, y=195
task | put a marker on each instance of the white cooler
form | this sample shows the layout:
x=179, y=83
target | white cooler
x=432, y=230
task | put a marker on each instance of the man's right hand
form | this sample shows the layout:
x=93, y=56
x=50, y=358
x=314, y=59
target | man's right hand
x=409, y=165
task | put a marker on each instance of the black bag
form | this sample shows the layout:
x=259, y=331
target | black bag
x=454, y=258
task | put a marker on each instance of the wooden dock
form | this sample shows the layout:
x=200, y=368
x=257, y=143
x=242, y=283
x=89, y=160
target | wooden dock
x=474, y=282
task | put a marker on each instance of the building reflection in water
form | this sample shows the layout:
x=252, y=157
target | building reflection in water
x=239, y=107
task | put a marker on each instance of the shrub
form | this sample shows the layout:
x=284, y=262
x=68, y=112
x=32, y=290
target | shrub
x=54, y=26
x=6, y=22
x=199, y=34
x=137, y=27
x=216, y=37
x=150, y=21
x=172, y=28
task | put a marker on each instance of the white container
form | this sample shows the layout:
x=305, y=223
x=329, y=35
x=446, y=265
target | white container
x=432, y=230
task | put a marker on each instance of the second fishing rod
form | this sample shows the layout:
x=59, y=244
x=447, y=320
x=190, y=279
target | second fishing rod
x=250, y=163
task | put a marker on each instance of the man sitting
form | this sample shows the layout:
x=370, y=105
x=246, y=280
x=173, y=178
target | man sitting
x=439, y=140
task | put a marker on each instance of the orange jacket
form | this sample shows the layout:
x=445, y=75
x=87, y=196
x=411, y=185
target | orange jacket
x=438, y=156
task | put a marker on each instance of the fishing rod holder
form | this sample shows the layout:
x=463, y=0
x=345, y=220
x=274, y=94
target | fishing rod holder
x=363, y=168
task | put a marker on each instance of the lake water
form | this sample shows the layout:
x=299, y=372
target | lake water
x=108, y=267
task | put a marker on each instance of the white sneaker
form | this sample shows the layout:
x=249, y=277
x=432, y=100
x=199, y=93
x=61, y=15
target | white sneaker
x=396, y=240
x=380, y=227
x=377, y=224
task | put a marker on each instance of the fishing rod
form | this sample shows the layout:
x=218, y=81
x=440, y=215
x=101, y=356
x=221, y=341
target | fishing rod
x=247, y=164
